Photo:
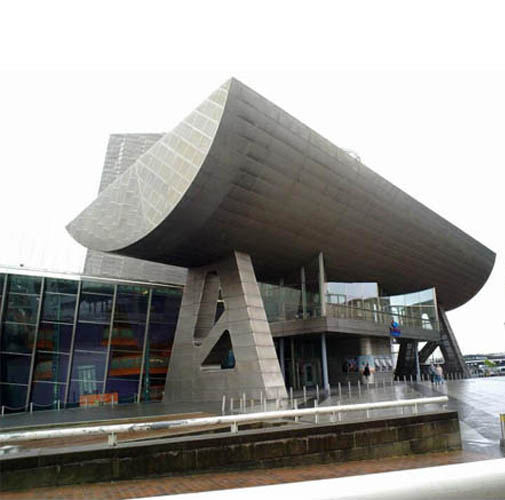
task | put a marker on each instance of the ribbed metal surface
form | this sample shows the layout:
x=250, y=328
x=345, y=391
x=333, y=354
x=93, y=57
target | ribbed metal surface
x=241, y=174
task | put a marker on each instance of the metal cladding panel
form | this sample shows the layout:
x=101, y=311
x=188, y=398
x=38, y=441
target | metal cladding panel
x=242, y=174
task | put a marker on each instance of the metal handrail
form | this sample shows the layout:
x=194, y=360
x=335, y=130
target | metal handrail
x=232, y=420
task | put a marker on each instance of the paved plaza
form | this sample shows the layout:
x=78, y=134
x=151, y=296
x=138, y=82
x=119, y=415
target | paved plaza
x=478, y=401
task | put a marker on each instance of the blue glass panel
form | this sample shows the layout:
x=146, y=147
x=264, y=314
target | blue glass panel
x=165, y=305
x=46, y=395
x=61, y=286
x=24, y=284
x=126, y=389
x=128, y=337
x=95, y=308
x=54, y=337
x=88, y=366
x=131, y=308
x=13, y=397
x=22, y=308
x=51, y=367
x=17, y=337
x=14, y=368
x=91, y=337
x=161, y=337
x=57, y=307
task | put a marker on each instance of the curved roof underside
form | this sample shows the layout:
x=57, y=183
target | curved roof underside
x=239, y=173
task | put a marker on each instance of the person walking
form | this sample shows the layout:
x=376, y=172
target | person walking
x=366, y=372
x=433, y=374
x=440, y=374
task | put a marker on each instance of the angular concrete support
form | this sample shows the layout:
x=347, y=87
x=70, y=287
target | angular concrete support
x=454, y=361
x=199, y=368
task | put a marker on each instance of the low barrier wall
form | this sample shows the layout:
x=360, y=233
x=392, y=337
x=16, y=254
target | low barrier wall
x=286, y=446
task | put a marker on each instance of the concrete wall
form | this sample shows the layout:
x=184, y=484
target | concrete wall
x=288, y=446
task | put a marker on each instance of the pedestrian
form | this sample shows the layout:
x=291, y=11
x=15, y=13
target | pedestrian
x=440, y=374
x=366, y=372
x=433, y=374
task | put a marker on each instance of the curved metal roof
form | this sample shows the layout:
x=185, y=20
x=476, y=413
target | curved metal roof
x=239, y=173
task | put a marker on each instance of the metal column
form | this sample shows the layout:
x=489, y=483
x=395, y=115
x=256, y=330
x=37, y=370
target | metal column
x=304, y=292
x=146, y=340
x=322, y=284
x=111, y=328
x=326, y=381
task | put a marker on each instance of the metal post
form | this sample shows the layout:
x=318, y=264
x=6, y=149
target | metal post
x=322, y=285
x=223, y=405
x=31, y=407
x=58, y=406
x=234, y=427
x=265, y=406
x=281, y=358
x=418, y=367
x=304, y=292
x=359, y=389
x=296, y=408
x=349, y=385
x=231, y=406
x=291, y=395
x=293, y=364
x=316, y=415
x=72, y=344
x=145, y=352
x=324, y=356
x=35, y=342
x=340, y=390
x=3, y=410
x=304, y=394
x=111, y=327
x=317, y=392
x=244, y=400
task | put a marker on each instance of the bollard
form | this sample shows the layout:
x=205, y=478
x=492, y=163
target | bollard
x=502, y=423
x=340, y=390
x=296, y=408
x=405, y=379
x=244, y=399
x=252, y=405
x=349, y=384
x=58, y=405
x=291, y=395
x=265, y=406
x=304, y=394
x=112, y=439
x=317, y=392
x=316, y=415
x=411, y=379
x=359, y=389
x=31, y=407
x=329, y=390
x=223, y=405
x=261, y=398
x=231, y=406
x=3, y=410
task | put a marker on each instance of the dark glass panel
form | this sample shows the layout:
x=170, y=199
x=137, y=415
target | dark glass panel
x=165, y=305
x=125, y=365
x=13, y=397
x=46, y=395
x=97, y=287
x=161, y=337
x=51, y=367
x=58, y=307
x=129, y=337
x=61, y=286
x=88, y=366
x=14, y=368
x=92, y=337
x=2, y=279
x=131, y=308
x=126, y=389
x=54, y=337
x=22, y=308
x=95, y=308
x=157, y=363
x=24, y=284
x=18, y=338
x=80, y=388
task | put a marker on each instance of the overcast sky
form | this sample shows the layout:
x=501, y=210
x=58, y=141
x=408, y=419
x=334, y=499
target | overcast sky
x=417, y=89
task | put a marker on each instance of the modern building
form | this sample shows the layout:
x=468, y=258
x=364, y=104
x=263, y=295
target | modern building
x=297, y=263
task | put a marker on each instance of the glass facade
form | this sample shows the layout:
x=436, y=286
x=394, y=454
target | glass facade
x=70, y=342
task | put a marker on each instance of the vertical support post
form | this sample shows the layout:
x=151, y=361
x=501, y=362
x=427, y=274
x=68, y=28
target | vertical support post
x=322, y=284
x=111, y=327
x=72, y=345
x=282, y=361
x=339, y=390
x=418, y=367
x=282, y=300
x=324, y=356
x=223, y=405
x=34, y=349
x=304, y=292
x=145, y=352
x=293, y=364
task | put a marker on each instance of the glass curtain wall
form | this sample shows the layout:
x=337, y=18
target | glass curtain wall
x=69, y=342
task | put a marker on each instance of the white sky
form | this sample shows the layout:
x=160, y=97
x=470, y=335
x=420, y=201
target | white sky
x=417, y=89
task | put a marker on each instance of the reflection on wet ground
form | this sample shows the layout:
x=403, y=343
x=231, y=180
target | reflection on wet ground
x=478, y=401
